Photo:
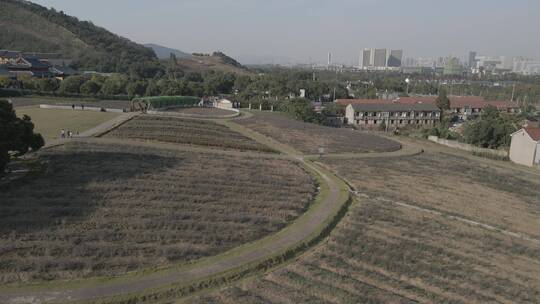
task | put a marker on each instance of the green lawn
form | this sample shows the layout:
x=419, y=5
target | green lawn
x=49, y=122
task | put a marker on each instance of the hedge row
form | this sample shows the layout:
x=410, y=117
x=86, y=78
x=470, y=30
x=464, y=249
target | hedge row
x=22, y=93
x=159, y=102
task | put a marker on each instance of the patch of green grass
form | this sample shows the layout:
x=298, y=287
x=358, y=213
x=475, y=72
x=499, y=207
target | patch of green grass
x=49, y=122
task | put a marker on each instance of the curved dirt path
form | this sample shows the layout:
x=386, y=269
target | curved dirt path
x=332, y=198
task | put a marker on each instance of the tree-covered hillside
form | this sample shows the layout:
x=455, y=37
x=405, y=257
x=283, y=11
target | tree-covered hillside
x=33, y=28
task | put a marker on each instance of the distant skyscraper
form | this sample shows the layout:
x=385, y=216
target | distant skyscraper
x=472, y=59
x=379, y=58
x=394, y=59
x=366, y=58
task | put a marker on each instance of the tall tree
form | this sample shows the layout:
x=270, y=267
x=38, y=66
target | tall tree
x=16, y=135
x=491, y=130
x=442, y=101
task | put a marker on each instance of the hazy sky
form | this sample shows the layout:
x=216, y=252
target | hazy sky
x=306, y=30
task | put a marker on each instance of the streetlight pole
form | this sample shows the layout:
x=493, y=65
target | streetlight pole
x=408, y=81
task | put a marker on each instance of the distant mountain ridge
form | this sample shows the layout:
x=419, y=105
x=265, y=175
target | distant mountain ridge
x=163, y=52
x=30, y=27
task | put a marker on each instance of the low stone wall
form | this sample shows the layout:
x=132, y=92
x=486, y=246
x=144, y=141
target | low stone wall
x=466, y=147
x=79, y=108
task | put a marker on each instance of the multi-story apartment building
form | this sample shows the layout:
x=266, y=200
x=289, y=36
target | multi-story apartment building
x=463, y=108
x=372, y=115
x=395, y=58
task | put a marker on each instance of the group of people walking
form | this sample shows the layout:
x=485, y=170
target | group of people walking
x=67, y=134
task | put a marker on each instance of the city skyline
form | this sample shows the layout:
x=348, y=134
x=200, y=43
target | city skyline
x=304, y=31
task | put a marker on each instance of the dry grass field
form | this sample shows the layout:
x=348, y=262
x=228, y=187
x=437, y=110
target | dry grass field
x=495, y=195
x=49, y=122
x=107, y=209
x=308, y=138
x=185, y=131
x=387, y=254
x=383, y=252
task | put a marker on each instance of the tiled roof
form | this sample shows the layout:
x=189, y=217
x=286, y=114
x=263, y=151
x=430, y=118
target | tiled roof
x=397, y=107
x=9, y=54
x=63, y=70
x=458, y=103
x=36, y=63
x=476, y=102
x=534, y=133
x=346, y=102
x=503, y=104
x=420, y=99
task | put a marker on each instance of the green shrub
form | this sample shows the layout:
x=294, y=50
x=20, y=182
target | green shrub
x=159, y=102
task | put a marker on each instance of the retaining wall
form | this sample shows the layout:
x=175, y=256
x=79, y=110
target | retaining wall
x=79, y=108
x=466, y=147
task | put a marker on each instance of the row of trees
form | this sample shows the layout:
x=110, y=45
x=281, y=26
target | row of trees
x=272, y=86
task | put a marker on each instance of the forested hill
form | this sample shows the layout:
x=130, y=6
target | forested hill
x=30, y=27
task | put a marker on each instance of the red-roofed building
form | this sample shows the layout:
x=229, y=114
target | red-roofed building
x=525, y=147
x=505, y=106
x=462, y=106
x=346, y=102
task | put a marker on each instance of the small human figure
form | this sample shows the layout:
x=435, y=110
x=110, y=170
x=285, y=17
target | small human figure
x=82, y=107
x=73, y=106
x=63, y=133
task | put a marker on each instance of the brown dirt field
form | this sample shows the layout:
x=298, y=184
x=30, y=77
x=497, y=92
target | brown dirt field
x=382, y=253
x=308, y=138
x=99, y=210
x=185, y=131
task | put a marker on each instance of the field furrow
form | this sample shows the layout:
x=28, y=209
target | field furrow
x=99, y=210
x=185, y=131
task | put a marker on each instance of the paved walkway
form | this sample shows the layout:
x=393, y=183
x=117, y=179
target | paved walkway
x=303, y=229
x=98, y=130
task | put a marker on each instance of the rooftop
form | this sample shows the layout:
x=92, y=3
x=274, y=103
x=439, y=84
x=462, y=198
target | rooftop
x=9, y=54
x=534, y=133
x=455, y=102
x=397, y=107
